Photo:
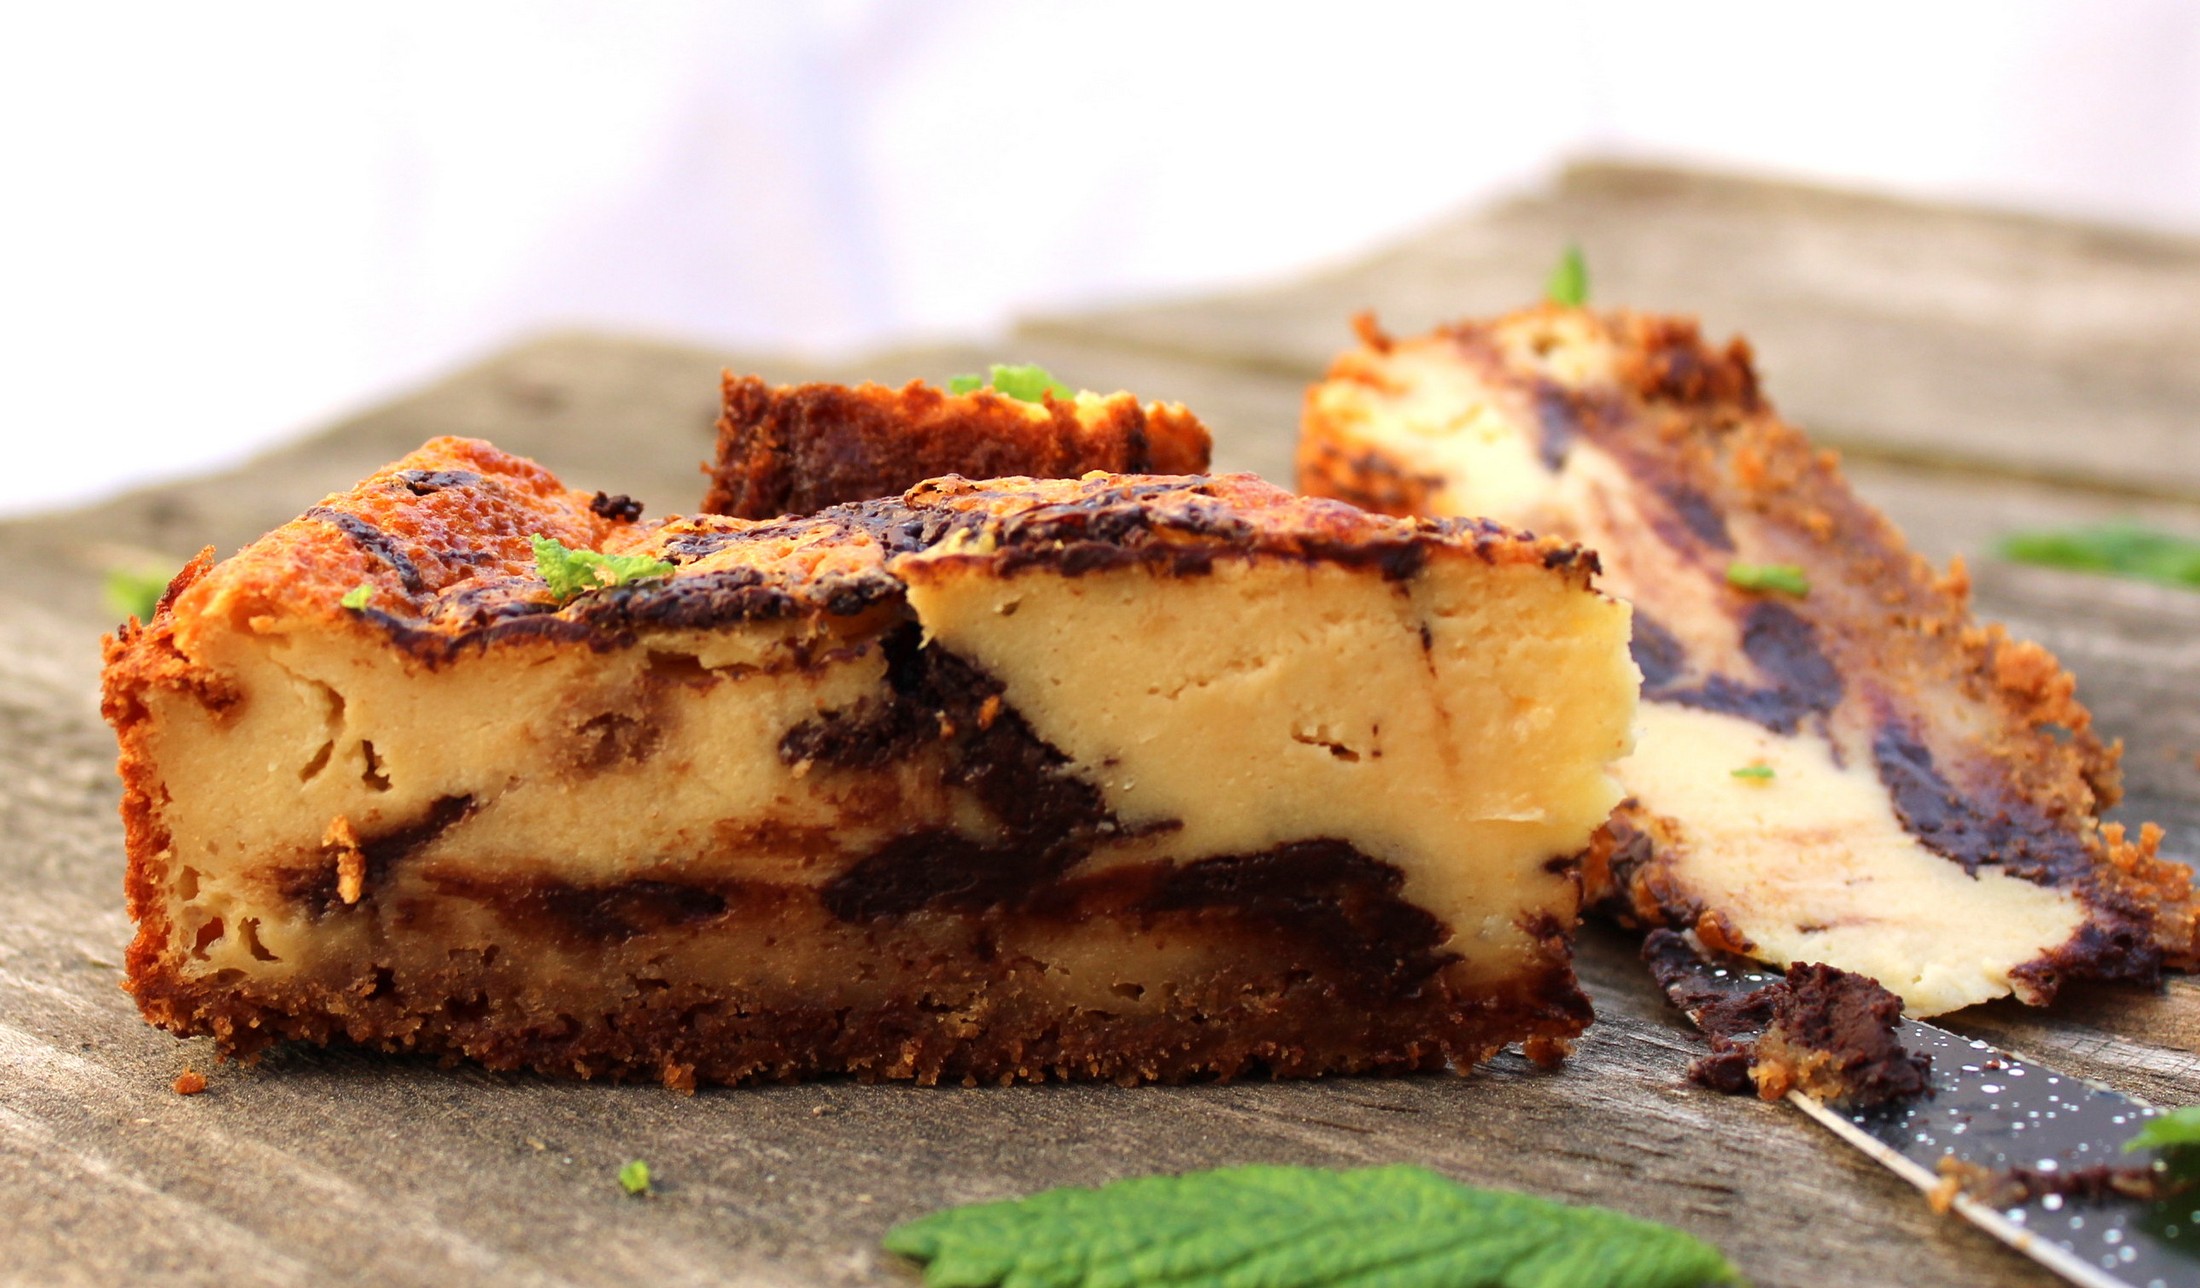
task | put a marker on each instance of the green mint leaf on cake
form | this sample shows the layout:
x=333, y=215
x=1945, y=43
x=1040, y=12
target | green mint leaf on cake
x=1028, y=383
x=569, y=572
x=356, y=598
x=1760, y=773
x=1301, y=1227
x=135, y=592
x=634, y=1177
x=1785, y=579
x=2117, y=549
x=1569, y=280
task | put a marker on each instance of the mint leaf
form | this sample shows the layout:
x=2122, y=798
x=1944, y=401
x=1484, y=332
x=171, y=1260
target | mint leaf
x=1300, y=1227
x=2118, y=549
x=1761, y=773
x=356, y=598
x=135, y=592
x=569, y=572
x=1569, y=281
x=1787, y=579
x=634, y=1177
x=2177, y=1129
x=1029, y=383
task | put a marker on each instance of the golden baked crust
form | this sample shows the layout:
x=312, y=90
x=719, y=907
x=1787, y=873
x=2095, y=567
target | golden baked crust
x=442, y=538
x=939, y=876
x=794, y=449
x=1630, y=433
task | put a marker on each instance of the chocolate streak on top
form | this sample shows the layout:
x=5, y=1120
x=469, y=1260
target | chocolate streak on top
x=1557, y=423
x=385, y=851
x=1177, y=526
x=939, y=868
x=1777, y=639
x=1341, y=904
x=314, y=889
x=1329, y=897
x=588, y=916
x=1323, y=903
x=1989, y=824
x=375, y=541
x=1697, y=514
x=1049, y=818
x=1785, y=648
x=422, y=482
x=1182, y=538
x=1658, y=655
x=2009, y=831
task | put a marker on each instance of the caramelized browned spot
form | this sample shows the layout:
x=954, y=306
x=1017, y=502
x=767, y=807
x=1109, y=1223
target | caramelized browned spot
x=376, y=542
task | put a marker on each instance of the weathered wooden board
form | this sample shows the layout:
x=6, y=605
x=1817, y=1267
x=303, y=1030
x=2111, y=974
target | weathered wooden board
x=334, y=1166
x=2019, y=345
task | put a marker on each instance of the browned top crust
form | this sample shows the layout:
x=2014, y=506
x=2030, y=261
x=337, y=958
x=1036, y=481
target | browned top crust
x=796, y=449
x=441, y=539
x=1981, y=740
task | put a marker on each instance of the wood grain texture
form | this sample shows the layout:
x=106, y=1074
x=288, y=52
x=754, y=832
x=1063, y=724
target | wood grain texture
x=332, y=1166
x=2015, y=345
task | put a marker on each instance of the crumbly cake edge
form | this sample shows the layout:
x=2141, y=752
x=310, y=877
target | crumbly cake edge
x=1708, y=399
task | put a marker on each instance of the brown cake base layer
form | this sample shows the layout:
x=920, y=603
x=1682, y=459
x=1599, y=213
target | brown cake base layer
x=1278, y=973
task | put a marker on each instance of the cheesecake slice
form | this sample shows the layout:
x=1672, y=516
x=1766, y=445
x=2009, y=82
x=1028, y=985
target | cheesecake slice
x=1136, y=778
x=1835, y=762
x=794, y=449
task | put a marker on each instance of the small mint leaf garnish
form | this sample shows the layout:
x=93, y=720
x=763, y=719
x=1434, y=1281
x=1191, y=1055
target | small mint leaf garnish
x=1569, y=280
x=2116, y=549
x=135, y=592
x=569, y=572
x=634, y=1177
x=1301, y=1227
x=1761, y=773
x=356, y=598
x=2177, y=1129
x=1786, y=579
x=1028, y=383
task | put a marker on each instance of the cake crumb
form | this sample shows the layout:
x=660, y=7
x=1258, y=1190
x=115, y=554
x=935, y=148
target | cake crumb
x=1547, y=1052
x=351, y=860
x=190, y=1082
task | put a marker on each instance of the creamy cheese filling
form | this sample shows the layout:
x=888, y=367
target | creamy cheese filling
x=1458, y=724
x=1811, y=864
x=1276, y=701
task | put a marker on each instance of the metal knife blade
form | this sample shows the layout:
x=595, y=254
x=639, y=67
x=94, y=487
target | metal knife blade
x=1997, y=1110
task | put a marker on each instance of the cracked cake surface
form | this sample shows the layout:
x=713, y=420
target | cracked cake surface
x=1920, y=794
x=1127, y=777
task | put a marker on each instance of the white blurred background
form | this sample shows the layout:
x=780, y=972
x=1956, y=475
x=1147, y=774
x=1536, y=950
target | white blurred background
x=224, y=224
